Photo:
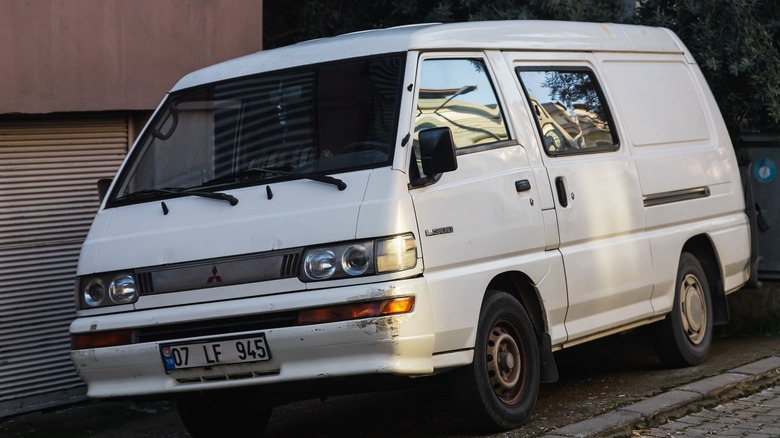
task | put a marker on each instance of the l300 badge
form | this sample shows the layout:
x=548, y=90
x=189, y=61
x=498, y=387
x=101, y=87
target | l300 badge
x=437, y=231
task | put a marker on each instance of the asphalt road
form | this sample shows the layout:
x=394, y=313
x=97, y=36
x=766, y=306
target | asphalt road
x=595, y=377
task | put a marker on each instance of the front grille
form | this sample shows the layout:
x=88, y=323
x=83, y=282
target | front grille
x=290, y=265
x=212, y=327
x=221, y=271
x=144, y=280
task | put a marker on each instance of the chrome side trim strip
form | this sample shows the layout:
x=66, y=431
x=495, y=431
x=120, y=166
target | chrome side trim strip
x=675, y=196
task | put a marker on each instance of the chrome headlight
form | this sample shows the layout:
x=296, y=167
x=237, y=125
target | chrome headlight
x=355, y=259
x=105, y=289
x=319, y=264
x=122, y=289
x=94, y=292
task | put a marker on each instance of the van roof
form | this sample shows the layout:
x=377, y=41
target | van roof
x=496, y=35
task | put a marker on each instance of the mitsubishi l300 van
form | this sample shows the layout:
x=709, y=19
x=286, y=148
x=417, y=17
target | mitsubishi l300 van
x=459, y=200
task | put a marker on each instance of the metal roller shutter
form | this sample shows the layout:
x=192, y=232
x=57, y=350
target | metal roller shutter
x=48, y=197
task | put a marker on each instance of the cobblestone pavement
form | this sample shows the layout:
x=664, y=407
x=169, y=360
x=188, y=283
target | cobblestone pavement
x=757, y=415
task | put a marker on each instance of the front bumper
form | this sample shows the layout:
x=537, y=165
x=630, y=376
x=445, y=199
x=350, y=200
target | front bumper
x=399, y=344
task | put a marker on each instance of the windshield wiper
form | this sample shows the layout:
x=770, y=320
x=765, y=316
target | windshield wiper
x=246, y=173
x=281, y=170
x=327, y=179
x=181, y=191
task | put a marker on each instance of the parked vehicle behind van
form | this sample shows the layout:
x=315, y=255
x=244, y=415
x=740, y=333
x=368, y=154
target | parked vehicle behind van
x=461, y=198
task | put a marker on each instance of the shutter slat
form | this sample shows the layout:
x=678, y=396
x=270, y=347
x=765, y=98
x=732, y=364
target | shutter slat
x=48, y=173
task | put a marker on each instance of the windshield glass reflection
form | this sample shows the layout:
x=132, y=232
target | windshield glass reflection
x=309, y=121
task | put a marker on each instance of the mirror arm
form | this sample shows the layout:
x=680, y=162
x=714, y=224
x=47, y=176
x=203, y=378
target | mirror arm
x=103, y=185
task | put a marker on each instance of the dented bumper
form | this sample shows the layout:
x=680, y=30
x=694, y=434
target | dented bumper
x=397, y=344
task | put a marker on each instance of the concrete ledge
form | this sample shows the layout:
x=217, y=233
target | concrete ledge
x=666, y=402
x=759, y=367
x=713, y=385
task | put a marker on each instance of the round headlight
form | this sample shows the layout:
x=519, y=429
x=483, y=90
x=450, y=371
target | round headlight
x=94, y=292
x=320, y=264
x=122, y=289
x=355, y=260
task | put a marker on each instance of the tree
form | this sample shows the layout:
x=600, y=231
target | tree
x=735, y=42
x=292, y=21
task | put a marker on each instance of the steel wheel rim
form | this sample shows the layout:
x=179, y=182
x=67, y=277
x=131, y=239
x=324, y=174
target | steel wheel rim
x=504, y=358
x=693, y=309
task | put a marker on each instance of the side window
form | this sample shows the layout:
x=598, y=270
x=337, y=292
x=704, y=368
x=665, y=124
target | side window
x=458, y=94
x=571, y=111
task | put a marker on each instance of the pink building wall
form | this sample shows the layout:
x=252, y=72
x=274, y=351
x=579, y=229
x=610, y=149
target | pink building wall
x=100, y=55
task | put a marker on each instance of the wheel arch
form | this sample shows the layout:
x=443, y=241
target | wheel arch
x=522, y=288
x=703, y=249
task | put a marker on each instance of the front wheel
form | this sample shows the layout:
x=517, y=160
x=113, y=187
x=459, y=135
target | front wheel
x=223, y=413
x=685, y=336
x=498, y=390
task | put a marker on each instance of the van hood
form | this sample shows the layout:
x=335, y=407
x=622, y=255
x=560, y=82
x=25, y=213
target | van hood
x=288, y=214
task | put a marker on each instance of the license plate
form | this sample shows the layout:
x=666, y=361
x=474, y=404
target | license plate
x=215, y=352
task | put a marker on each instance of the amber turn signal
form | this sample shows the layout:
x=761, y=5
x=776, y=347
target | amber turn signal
x=346, y=312
x=84, y=341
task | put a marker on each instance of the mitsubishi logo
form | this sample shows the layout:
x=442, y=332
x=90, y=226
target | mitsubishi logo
x=215, y=278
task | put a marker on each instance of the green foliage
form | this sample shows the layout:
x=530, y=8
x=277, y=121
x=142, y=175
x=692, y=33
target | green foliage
x=298, y=20
x=735, y=42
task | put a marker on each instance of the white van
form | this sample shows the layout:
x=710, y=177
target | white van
x=462, y=198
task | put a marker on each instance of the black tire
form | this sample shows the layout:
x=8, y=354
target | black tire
x=223, y=414
x=685, y=336
x=498, y=390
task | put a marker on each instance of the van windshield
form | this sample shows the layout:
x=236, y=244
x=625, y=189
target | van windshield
x=306, y=122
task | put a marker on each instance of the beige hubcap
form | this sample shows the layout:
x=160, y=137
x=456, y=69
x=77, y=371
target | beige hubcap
x=504, y=362
x=693, y=309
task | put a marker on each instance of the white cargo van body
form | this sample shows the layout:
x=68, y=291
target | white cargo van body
x=458, y=197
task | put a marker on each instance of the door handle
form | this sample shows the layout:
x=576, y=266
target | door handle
x=560, y=187
x=523, y=185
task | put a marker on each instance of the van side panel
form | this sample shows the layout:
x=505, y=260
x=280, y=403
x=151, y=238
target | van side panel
x=660, y=102
x=485, y=227
x=603, y=244
x=599, y=212
x=685, y=162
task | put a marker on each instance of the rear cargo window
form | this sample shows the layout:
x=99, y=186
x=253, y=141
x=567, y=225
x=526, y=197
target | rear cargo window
x=571, y=112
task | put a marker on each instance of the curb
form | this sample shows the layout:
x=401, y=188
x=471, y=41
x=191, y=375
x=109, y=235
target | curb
x=651, y=408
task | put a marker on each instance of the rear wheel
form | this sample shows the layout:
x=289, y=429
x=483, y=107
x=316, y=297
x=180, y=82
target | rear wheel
x=685, y=336
x=498, y=390
x=223, y=413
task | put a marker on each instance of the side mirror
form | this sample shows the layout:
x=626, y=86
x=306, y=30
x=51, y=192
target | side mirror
x=102, y=187
x=437, y=151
